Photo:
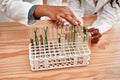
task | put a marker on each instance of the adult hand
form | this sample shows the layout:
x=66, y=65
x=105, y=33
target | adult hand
x=57, y=13
x=95, y=35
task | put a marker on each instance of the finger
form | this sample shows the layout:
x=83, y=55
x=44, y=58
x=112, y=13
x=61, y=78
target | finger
x=95, y=41
x=69, y=18
x=61, y=24
x=97, y=36
x=59, y=21
x=93, y=31
x=75, y=18
x=56, y=24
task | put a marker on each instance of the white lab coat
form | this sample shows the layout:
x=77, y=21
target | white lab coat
x=17, y=10
x=106, y=14
x=54, y=2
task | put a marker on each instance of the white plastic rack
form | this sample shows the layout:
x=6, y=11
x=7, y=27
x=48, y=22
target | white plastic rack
x=57, y=54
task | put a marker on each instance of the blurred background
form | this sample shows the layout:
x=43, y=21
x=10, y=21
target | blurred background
x=3, y=18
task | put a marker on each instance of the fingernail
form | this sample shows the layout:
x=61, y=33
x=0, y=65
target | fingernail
x=76, y=23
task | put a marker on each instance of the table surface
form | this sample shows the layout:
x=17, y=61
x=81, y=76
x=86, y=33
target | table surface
x=14, y=56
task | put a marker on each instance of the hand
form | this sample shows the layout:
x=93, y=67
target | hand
x=57, y=13
x=95, y=35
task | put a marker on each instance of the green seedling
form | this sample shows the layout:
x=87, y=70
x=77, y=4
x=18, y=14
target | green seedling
x=41, y=39
x=46, y=38
x=36, y=37
x=85, y=33
x=73, y=34
x=59, y=39
x=32, y=42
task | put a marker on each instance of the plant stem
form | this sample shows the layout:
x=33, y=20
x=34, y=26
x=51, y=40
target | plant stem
x=73, y=34
x=41, y=39
x=46, y=39
x=36, y=37
x=85, y=33
x=59, y=39
x=32, y=42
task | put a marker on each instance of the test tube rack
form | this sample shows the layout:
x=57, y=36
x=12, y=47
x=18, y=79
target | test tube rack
x=63, y=54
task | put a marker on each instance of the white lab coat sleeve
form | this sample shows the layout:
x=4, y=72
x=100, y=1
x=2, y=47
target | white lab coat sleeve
x=106, y=19
x=17, y=10
x=74, y=4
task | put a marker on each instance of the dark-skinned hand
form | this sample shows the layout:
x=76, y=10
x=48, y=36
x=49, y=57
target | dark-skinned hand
x=95, y=35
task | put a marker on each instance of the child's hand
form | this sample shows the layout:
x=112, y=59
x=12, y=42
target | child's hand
x=95, y=35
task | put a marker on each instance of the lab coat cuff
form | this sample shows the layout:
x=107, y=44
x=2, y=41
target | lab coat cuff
x=31, y=13
x=31, y=18
x=102, y=28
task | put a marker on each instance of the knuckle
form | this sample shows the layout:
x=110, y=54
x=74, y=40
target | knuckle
x=65, y=7
x=97, y=30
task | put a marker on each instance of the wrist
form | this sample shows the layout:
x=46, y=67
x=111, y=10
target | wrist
x=41, y=10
